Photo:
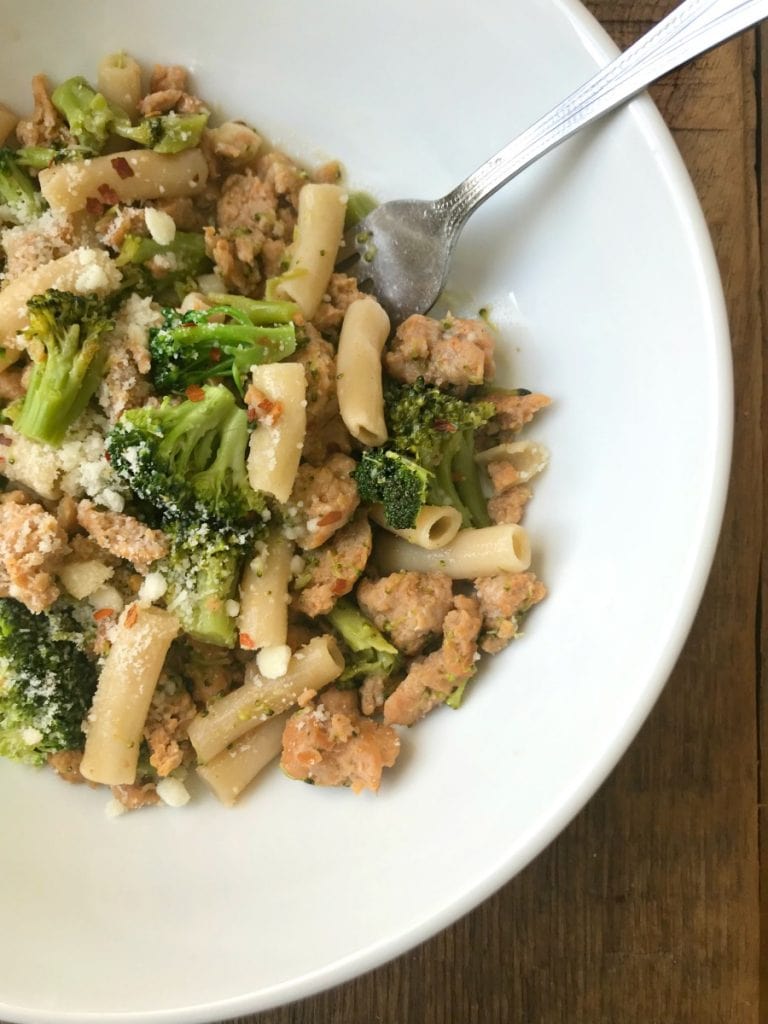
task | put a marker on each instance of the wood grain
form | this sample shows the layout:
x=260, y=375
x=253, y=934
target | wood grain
x=645, y=911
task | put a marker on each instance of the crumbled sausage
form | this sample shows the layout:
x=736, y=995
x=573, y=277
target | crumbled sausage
x=433, y=678
x=122, y=535
x=450, y=353
x=325, y=440
x=136, y=796
x=28, y=246
x=32, y=545
x=319, y=362
x=408, y=606
x=165, y=730
x=330, y=743
x=503, y=600
x=512, y=414
x=325, y=499
x=66, y=764
x=168, y=76
x=508, y=507
x=121, y=221
x=45, y=126
x=335, y=568
x=342, y=292
x=12, y=384
x=373, y=693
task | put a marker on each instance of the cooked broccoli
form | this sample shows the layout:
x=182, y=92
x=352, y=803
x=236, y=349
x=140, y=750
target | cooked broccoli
x=180, y=263
x=165, y=133
x=90, y=115
x=65, y=341
x=40, y=157
x=197, y=346
x=429, y=457
x=187, y=459
x=47, y=683
x=368, y=652
x=397, y=483
x=20, y=201
x=202, y=570
x=436, y=430
x=92, y=118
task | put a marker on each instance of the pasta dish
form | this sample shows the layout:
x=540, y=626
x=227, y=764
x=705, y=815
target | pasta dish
x=243, y=517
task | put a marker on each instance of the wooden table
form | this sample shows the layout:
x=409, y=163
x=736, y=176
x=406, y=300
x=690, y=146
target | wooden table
x=645, y=911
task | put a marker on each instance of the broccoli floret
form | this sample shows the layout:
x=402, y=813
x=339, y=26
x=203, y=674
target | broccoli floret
x=65, y=340
x=47, y=683
x=368, y=652
x=202, y=570
x=40, y=157
x=429, y=458
x=92, y=118
x=20, y=201
x=187, y=459
x=175, y=274
x=397, y=483
x=197, y=346
x=90, y=115
x=165, y=133
x=437, y=430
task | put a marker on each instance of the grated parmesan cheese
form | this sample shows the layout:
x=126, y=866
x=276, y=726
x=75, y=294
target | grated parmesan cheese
x=272, y=662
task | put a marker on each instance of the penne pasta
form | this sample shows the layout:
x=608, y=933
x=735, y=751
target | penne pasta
x=322, y=209
x=237, y=766
x=359, y=376
x=472, y=553
x=275, y=447
x=436, y=525
x=119, y=80
x=126, y=685
x=263, y=618
x=127, y=177
x=84, y=271
x=312, y=667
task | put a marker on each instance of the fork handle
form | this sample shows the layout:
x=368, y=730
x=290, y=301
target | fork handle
x=691, y=29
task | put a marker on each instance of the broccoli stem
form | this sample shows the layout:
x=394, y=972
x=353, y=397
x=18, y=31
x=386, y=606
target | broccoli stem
x=61, y=387
x=258, y=311
x=240, y=334
x=166, y=133
x=88, y=114
x=19, y=199
x=467, y=476
x=199, y=598
x=442, y=489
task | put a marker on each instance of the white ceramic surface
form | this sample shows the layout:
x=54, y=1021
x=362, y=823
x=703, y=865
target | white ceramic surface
x=598, y=268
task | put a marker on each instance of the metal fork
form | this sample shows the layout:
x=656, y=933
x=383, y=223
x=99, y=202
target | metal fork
x=402, y=250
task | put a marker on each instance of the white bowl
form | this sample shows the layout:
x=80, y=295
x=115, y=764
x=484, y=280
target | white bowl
x=598, y=268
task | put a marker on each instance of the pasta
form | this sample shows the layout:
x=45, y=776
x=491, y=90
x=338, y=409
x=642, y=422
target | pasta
x=318, y=233
x=435, y=526
x=119, y=79
x=472, y=553
x=358, y=362
x=124, y=177
x=237, y=765
x=126, y=685
x=263, y=618
x=314, y=666
x=242, y=515
x=275, y=446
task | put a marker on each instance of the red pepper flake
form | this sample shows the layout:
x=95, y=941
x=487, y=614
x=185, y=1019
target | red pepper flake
x=107, y=456
x=445, y=426
x=340, y=587
x=6, y=441
x=215, y=355
x=94, y=206
x=247, y=642
x=103, y=613
x=108, y=194
x=131, y=615
x=251, y=414
x=329, y=518
x=195, y=393
x=122, y=167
